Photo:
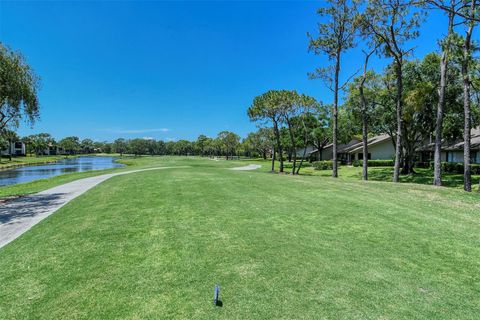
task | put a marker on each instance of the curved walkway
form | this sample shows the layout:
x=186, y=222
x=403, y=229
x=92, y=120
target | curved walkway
x=19, y=215
x=246, y=168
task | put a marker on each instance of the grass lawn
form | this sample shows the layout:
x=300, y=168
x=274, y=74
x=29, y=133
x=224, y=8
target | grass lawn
x=152, y=245
x=421, y=176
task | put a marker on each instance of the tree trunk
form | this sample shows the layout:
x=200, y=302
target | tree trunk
x=279, y=144
x=398, y=146
x=305, y=143
x=437, y=166
x=319, y=151
x=273, y=158
x=294, y=147
x=363, y=104
x=467, y=175
x=301, y=161
x=335, y=117
x=409, y=157
x=365, y=146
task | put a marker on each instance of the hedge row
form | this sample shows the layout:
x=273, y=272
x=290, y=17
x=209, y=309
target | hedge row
x=457, y=167
x=374, y=163
x=323, y=165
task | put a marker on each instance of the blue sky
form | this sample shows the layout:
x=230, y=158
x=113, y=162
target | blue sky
x=167, y=70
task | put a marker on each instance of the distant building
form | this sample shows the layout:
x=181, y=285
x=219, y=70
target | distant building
x=453, y=151
x=53, y=150
x=14, y=149
x=379, y=148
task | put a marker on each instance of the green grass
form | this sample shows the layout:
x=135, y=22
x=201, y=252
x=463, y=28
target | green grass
x=385, y=174
x=152, y=245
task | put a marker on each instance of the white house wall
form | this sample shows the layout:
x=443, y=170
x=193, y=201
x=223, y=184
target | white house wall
x=327, y=154
x=457, y=156
x=382, y=151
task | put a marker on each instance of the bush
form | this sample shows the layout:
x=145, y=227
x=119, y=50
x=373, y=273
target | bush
x=457, y=167
x=424, y=165
x=323, y=165
x=374, y=163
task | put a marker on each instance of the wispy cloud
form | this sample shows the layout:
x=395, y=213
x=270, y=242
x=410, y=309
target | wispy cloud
x=135, y=131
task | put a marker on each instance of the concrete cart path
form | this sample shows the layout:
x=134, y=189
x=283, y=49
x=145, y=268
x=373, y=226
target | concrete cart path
x=19, y=215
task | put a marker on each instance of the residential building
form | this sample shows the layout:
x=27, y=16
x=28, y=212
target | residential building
x=15, y=149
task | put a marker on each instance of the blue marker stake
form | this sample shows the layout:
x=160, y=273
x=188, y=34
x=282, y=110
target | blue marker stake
x=216, y=296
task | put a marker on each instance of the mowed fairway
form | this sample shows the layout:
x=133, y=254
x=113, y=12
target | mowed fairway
x=152, y=245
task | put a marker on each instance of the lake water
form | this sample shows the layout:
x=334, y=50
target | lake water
x=80, y=164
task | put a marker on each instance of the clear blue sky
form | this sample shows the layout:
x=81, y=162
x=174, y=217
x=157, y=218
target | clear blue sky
x=168, y=70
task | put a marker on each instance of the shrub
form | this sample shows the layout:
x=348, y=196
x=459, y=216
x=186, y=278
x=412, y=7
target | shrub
x=374, y=163
x=457, y=167
x=424, y=165
x=323, y=165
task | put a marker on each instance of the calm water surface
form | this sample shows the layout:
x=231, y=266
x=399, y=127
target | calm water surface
x=80, y=164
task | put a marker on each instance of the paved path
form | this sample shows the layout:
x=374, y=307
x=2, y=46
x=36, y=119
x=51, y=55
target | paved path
x=246, y=168
x=19, y=215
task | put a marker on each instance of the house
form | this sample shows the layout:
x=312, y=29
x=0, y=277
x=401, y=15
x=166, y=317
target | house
x=379, y=148
x=327, y=152
x=15, y=149
x=453, y=151
x=52, y=150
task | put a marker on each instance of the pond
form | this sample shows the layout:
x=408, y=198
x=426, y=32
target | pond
x=80, y=164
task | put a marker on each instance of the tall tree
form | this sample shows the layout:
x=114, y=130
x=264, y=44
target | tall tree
x=363, y=100
x=200, y=144
x=86, y=145
x=261, y=141
x=470, y=9
x=364, y=111
x=451, y=8
x=335, y=36
x=120, y=146
x=138, y=146
x=294, y=107
x=392, y=23
x=41, y=142
x=18, y=90
x=71, y=145
x=319, y=128
x=230, y=142
x=268, y=108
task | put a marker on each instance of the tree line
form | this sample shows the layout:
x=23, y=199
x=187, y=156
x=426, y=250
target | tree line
x=227, y=144
x=411, y=100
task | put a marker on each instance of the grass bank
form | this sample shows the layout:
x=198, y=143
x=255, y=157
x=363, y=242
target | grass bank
x=6, y=164
x=152, y=245
x=385, y=174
